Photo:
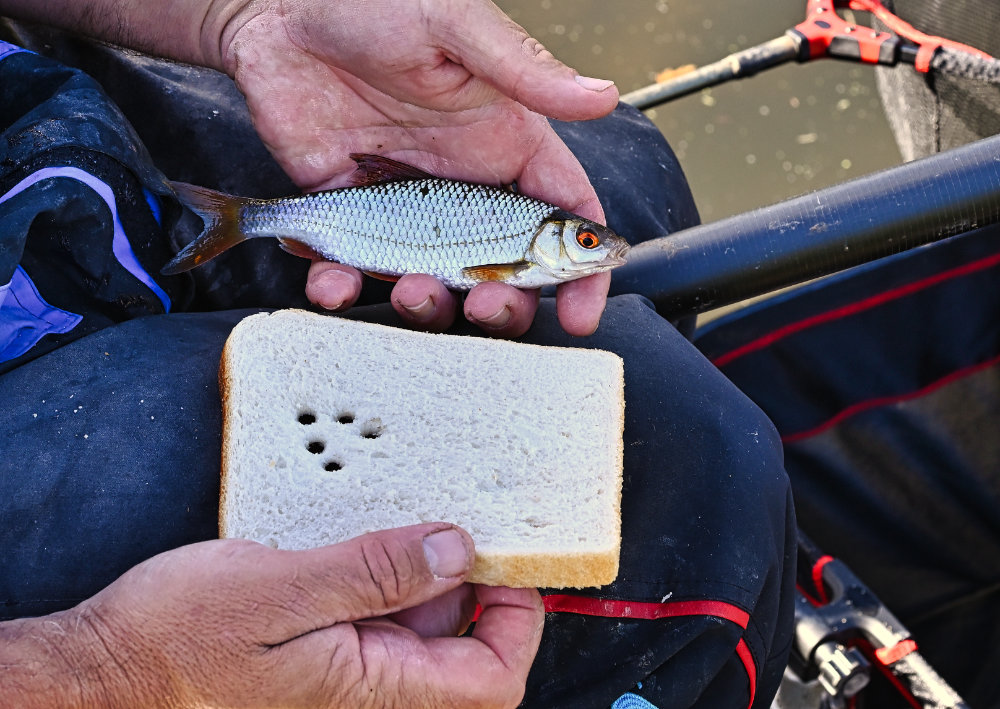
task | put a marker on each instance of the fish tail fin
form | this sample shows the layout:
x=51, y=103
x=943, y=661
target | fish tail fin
x=221, y=214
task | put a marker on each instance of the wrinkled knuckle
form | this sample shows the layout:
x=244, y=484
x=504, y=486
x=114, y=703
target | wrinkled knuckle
x=531, y=47
x=389, y=570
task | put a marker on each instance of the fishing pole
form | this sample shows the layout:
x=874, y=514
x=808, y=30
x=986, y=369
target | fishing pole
x=824, y=33
x=817, y=234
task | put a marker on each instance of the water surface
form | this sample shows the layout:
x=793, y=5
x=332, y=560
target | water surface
x=745, y=144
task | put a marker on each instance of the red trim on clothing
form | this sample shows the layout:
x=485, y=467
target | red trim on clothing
x=860, y=406
x=644, y=611
x=563, y=603
x=853, y=308
x=746, y=657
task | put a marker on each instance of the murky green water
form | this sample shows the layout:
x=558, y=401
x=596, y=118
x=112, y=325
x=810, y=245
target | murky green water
x=745, y=144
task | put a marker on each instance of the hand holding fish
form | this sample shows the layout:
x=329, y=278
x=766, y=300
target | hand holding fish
x=455, y=88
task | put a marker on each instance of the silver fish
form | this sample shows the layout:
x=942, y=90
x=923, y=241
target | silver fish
x=396, y=219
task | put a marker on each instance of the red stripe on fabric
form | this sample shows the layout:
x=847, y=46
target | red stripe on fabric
x=562, y=603
x=860, y=406
x=854, y=308
x=746, y=657
x=817, y=578
x=559, y=603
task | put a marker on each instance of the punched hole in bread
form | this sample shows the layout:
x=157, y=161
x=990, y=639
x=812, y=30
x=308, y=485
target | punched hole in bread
x=316, y=447
x=307, y=417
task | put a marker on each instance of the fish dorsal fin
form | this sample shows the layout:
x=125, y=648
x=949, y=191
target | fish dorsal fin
x=495, y=271
x=375, y=169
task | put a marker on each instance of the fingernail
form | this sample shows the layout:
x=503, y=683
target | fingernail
x=499, y=319
x=592, y=84
x=422, y=310
x=446, y=553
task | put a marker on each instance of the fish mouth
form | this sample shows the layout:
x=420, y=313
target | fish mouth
x=617, y=256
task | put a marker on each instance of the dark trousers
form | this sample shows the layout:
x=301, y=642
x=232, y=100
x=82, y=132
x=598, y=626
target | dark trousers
x=111, y=416
x=884, y=383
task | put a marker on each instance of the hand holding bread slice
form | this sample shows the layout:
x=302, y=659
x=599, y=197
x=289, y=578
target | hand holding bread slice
x=334, y=428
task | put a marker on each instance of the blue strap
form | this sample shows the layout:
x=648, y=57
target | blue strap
x=6, y=49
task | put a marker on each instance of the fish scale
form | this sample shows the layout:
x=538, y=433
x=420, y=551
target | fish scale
x=420, y=226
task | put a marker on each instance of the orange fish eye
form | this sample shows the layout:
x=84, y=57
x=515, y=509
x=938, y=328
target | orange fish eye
x=587, y=239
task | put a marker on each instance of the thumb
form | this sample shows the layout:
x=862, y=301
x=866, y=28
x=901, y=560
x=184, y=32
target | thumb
x=500, y=52
x=366, y=577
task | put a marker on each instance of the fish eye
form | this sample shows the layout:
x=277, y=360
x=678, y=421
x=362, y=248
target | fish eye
x=587, y=239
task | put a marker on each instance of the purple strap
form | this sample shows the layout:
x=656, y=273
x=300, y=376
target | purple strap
x=120, y=244
x=25, y=317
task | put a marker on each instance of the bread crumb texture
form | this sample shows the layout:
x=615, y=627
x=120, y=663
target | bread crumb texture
x=334, y=428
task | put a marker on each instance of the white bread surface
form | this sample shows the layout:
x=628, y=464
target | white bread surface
x=334, y=428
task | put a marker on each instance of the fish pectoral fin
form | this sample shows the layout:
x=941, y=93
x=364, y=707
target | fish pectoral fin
x=495, y=271
x=375, y=170
x=298, y=248
x=382, y=276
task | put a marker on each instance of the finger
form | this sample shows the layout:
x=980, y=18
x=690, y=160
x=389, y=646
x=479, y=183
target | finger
x=333, y=286
x=424, y=303
x=501, y=310
x=488, y=669
x=553, y=174
x=447, y=615
x=494, y=48
x=580, y=303
x=510, y=627
x=510, y=624
x=367, y=577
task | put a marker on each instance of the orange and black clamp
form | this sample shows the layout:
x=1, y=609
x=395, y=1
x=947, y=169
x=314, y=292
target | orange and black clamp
x=844, y=635
x=824, y=33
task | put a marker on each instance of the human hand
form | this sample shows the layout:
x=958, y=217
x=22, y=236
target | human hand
x=455, y=88
x=370, y=622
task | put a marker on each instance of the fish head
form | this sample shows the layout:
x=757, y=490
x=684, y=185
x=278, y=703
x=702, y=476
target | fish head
x=569, y=246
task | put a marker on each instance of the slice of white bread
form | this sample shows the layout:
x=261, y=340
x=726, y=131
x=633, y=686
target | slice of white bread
x=333, y=428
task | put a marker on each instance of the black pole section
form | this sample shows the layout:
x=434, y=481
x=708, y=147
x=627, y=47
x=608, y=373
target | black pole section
x=817, y=234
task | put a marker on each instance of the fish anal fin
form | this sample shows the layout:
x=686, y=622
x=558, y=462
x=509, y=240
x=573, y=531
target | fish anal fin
x=375, y=169
x=221, y=214
x=298, y=248
x=388, y=277
x=495, y=271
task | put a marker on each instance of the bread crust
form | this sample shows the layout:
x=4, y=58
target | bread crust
x=225, y=386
